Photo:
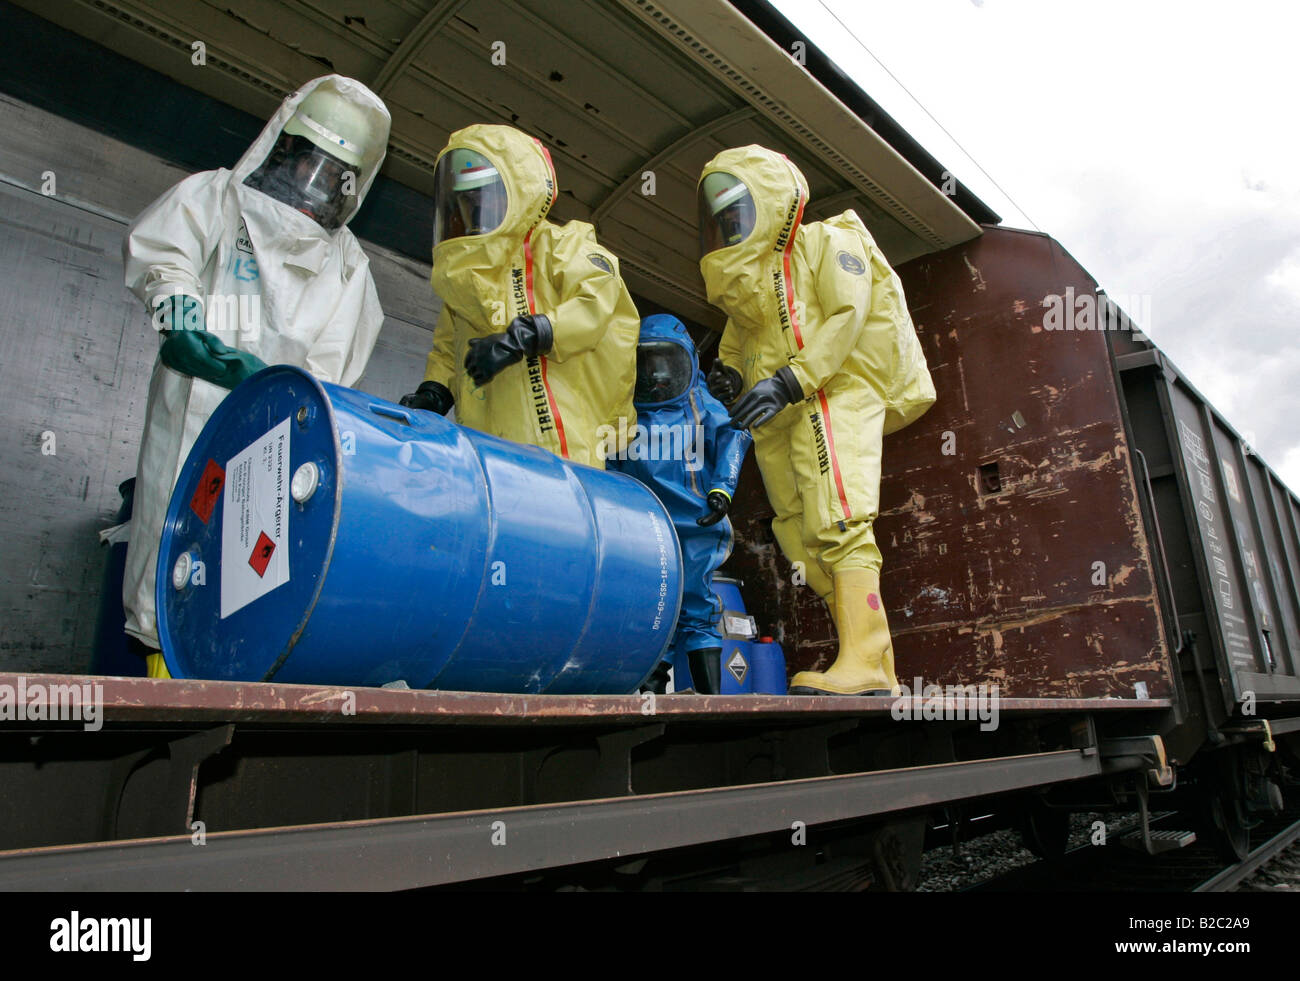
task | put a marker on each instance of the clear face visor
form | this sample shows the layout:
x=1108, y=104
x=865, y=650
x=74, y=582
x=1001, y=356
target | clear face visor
x=663, y=372
x=307, y=179
x=727, y=212
x=470, y=196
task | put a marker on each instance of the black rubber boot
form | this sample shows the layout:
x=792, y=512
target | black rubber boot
x=706, y=670
x=658, y=680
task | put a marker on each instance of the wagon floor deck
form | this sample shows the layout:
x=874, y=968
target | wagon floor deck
x=133, y=700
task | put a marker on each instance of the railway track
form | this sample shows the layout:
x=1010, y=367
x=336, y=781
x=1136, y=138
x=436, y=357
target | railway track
x=1119, y=868
x=1259, y=858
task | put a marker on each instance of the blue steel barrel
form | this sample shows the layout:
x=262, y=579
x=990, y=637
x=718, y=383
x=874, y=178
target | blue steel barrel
x=321, y=535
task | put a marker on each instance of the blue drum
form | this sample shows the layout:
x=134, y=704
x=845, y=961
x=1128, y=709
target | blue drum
x=321, y=535
x=736, y=627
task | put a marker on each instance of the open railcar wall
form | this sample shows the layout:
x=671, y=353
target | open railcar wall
x=1229, y=530
x=1014, y=548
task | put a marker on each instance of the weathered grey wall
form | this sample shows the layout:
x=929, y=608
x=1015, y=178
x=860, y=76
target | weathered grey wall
x=76, y=351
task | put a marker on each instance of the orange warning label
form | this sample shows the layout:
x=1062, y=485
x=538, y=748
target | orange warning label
x=261, y=556
x=209, y=489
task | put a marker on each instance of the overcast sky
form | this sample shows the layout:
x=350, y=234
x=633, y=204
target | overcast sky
x=1157, y=141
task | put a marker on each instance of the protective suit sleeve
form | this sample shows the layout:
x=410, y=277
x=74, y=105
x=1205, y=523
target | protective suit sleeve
x=441, y=366
x=729, y=348
x=170, y=243
x=725, y=445
x=589, y=288
x=341, y=350
x=845, y=299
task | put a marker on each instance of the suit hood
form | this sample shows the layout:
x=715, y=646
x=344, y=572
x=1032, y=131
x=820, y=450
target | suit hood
x=367, y=106
x=737, y=278
x=661, y=327
x=526, y=170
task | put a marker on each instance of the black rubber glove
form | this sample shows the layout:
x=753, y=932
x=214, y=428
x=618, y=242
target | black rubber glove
x=432, y=396
x=766, y=399
x=724, y=383
x=719, y=504
x=526, y=337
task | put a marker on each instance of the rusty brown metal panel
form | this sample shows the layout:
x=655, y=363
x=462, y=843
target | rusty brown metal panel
x=1013, y=541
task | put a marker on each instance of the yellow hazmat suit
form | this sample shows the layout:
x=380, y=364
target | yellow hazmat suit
x=560, y=399
x=820, y=300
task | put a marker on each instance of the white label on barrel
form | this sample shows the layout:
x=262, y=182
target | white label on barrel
x=738, y=625
x=255, y=521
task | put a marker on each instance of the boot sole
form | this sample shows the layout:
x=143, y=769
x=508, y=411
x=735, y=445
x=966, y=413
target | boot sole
x=869, y=693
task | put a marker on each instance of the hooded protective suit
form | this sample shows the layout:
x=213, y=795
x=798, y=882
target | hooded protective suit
x=274, y=284
x=711, y=453
x=561, y=398
x=821, y=300
x=817, y=307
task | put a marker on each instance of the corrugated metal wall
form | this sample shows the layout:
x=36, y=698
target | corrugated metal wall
x=76, y=350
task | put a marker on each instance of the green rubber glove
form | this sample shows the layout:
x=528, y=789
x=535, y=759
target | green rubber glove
x=201, y=355
x=240, y=365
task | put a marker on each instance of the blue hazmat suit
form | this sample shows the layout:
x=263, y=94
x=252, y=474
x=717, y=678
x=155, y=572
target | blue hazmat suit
x=683, y=447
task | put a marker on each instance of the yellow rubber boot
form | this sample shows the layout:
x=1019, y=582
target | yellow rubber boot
x=156, y=667
x=865, y=664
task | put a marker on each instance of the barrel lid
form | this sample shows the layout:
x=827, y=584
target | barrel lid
x=240, y=558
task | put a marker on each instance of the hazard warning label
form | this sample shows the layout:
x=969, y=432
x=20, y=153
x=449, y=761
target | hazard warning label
x=261, y=556
x=738, y=666
x=209, y=489
x=255, y=524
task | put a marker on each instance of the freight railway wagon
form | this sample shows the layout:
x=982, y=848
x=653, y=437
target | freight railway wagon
x=1070, y=524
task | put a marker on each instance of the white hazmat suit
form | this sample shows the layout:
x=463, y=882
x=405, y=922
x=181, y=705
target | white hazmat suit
x=274, y=284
